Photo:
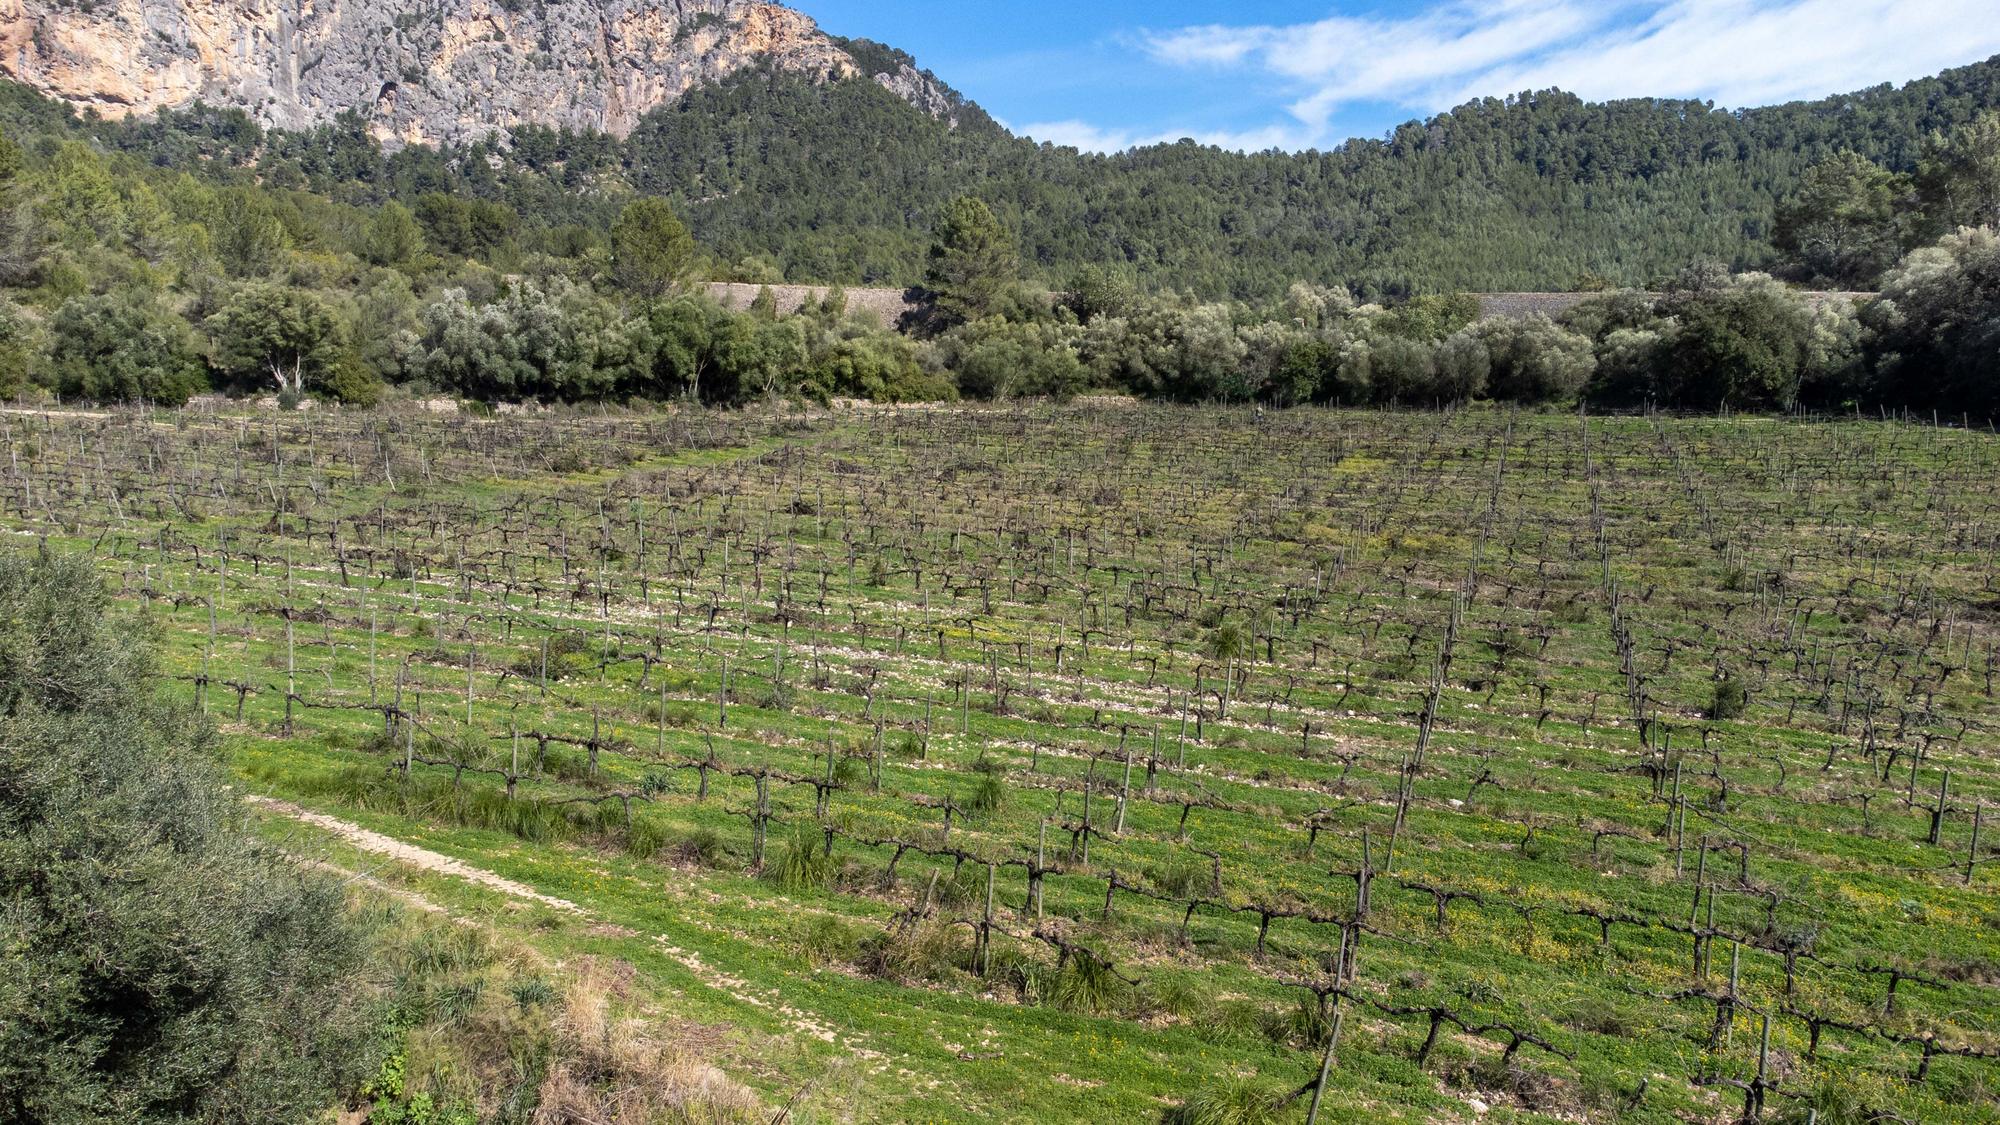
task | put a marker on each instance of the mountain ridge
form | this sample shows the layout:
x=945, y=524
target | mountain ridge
x=452, y=73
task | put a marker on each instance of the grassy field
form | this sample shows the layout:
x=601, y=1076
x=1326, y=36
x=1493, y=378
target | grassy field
x=1072, y=764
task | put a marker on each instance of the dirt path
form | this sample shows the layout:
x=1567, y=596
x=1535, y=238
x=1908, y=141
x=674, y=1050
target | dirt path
x=421, y=858
x=427, y=860
x=53, y=412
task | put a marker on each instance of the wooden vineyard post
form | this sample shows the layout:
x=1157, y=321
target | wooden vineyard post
x=986, y=927
x=1677, y=823
x=208, y=655
x=291, y=672
x=722, y=698
x=875, y=761
x=1326, y=1062
x=762, y=818
x=594, y=729
x=1937, y=814
x=1125, y=787
x=1041, y=865
x=1972, y=852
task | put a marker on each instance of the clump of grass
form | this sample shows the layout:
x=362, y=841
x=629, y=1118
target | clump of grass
x=829, y=940
x=1181, y=877
x=1232, y=1101
x=1179, y=995
x=607, y=1069
x=927, y=951
x=702, y=847
x=645, y=838
x=531, y=991
x=1572, y=611
x=802, y=863
x=1599, y=1016
x=1089, y=986
x=1302, y=1023
x=966, y=885
x=989, y=793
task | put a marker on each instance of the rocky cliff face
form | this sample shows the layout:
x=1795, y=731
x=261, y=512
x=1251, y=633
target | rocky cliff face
x=420, y=71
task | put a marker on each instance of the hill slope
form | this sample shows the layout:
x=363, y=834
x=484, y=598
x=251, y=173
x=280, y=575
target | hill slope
x=1523, y=193
x=799, y=156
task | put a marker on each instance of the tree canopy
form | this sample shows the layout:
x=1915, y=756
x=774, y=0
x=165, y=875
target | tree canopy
x=156, y=964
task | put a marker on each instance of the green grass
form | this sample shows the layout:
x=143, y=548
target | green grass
x=992, y=611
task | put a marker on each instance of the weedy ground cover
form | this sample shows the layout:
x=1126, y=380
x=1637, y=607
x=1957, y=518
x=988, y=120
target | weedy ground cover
x=1105, y=762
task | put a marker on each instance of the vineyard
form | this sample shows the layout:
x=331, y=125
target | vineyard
x=1107, y=762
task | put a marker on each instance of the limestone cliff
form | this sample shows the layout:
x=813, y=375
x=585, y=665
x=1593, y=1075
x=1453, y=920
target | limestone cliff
x=443, y=70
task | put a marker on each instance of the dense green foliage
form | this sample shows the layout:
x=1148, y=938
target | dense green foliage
x=155, y=966
x=971, y=261
x=1936, y=336
x=134, y=280
x=150, y=260
x=841, y=183
x=1527, y=193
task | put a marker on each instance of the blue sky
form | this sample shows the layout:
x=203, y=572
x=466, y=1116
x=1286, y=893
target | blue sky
x=1256, y=74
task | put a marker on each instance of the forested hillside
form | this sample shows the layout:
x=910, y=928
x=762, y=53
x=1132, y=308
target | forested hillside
x=784, y=179
x=1532, y=192
x=153, y=259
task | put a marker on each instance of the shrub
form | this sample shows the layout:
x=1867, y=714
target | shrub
x=1935, y=333
x=1743, y=345
x=159, y=964
x=124, y=349
x=1536, y=360
x=1729, y=699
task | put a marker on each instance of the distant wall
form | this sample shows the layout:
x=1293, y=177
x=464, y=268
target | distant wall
x=887, y=306
x=1514, y=306
x=883, y=306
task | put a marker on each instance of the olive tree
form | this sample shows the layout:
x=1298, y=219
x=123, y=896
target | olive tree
x=289, y=336
x=157, y=964
x=122, y=347
x=1935, y=332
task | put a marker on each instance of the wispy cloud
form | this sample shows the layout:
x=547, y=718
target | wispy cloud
x=1091, y=138
x=1740, y=52
x=1736, y=52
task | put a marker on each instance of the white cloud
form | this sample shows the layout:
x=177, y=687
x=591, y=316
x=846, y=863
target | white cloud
x=1736, y=52
x=1406, y=60
x=1078, y=134
x=1743, y=53
x=1091, y=138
